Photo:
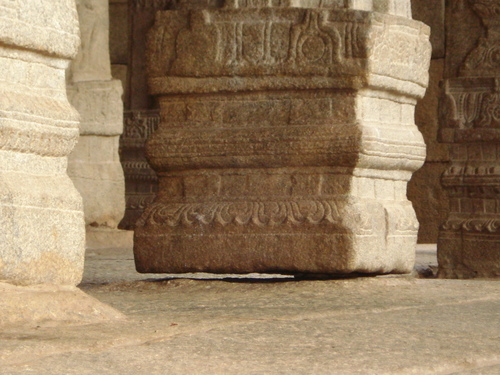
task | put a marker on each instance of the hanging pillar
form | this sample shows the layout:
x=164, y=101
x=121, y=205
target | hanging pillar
x=94, y=165
x=469, y=240
x=286, y=138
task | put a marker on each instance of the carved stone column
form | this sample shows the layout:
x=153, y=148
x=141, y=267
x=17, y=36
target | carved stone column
x=143, y=116
x=41, y=218
x=94, y=165
x=469, y=240
x=286, y=139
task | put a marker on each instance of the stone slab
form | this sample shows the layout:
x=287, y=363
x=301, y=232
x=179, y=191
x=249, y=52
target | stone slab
x=100, y=106
x=358, y=326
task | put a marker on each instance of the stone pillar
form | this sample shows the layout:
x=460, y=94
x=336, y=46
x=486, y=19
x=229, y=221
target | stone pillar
x=94, y=165
x=141, y=182
x=286, y=138
x=469, y=240
x=142, y=116
x=41, y=219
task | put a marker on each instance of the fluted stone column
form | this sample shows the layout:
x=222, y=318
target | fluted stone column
x=469, y=240
x=94, y=165
x=287, y=137
x=41, y=218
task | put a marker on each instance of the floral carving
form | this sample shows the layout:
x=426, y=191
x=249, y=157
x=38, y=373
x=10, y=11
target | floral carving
x=473, y=224
x=241, y=213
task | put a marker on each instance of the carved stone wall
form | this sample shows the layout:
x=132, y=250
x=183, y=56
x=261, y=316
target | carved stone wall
x=94, y=165
x=286, y=137
x=469, y=241
x=42, y=234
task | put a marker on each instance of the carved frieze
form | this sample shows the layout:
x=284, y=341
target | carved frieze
x=298, y=43
x=470, y=104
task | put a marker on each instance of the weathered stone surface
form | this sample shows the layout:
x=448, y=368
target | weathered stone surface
x=104, y=238
x=286, y=140
x=424, y=189
x=94, y=165
x=463, y=31
x=92, y=62
x=142, y=15
x=120, y=72
x=427, y=113
x=140, y=180
x=431, y=12
x=381, y=325
x=34, y=306
x=97, y=173
x=118, y=32
x=42, y=235
x=429, y=200
x=469, y=240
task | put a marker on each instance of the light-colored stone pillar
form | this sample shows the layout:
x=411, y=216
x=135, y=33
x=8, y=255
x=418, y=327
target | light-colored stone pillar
x=287, y=137
x=469, y=240
x=41, y=218
x=94, y=165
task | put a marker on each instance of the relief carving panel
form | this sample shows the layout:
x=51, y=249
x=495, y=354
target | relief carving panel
x=469, y=239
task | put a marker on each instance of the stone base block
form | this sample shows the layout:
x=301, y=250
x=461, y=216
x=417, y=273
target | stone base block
x=465, y=255
x=330, y=236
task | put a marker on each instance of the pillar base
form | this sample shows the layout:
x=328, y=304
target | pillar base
x=317, y=234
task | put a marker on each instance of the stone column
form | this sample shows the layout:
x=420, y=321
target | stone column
x=469, y=240
x=94, y=165
x=286, y=139
x=41, y=219
x=142, y=117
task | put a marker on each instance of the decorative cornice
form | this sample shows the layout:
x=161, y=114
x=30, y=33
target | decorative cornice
x=474, y=224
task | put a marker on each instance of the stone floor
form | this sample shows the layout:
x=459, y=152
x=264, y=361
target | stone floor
x=202, y=324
